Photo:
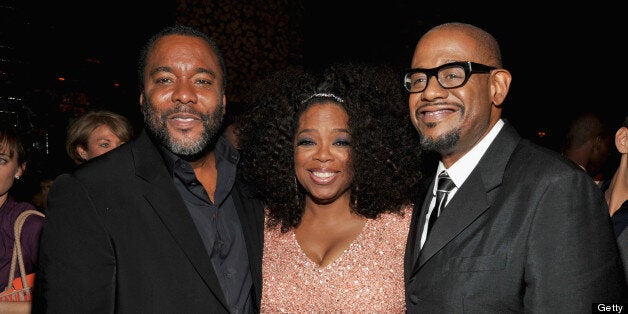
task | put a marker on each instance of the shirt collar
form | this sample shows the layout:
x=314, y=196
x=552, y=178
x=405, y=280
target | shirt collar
x=461, y=169
x=223, y=151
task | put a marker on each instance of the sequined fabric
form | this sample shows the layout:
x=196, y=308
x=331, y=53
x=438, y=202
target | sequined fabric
x=366, y=278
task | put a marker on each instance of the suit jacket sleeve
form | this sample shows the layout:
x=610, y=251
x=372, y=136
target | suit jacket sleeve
x=77, y=267
x=579, y=265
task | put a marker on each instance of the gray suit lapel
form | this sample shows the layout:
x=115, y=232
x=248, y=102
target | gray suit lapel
x=420, y=217
x=468, y=203
x=473, y=198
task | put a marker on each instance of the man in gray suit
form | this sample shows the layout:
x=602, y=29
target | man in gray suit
x=523, y=230
x=160, y=224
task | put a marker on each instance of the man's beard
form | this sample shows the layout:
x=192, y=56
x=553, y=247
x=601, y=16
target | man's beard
x=442, y=143
x=188, y=148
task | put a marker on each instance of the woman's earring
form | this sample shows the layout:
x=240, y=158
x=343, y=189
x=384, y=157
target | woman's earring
x=296, y=191
x=354, y=196
x=17, y=177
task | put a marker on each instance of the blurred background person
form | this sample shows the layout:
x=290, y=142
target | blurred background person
x=40, y=198
x=33, y=187
x=616, y=193
x=335, y=160
x=616, y=188
x=587, y=143
x=230, y=123
x=13, y=161
x=96, y=133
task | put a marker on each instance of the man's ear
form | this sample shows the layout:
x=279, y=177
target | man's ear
x=621, y=140
x=500, y=84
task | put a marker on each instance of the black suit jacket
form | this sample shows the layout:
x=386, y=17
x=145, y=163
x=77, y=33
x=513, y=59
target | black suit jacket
x=527, y=231
x=119, y=239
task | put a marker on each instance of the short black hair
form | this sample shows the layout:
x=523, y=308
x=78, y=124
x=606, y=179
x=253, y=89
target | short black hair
x=185, y=30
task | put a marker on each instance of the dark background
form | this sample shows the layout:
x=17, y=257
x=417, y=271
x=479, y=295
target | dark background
x=558, y=57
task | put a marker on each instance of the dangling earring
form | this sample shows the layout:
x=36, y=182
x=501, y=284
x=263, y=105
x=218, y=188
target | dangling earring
x=297, y=194
x=354, y=196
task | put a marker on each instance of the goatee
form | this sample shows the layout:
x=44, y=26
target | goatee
x=442, y=143
x=188, y=148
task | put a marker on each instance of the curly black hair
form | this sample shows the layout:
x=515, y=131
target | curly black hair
x=385, y=150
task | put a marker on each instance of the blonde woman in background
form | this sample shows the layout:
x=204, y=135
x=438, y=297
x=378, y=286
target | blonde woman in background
x=96, y=133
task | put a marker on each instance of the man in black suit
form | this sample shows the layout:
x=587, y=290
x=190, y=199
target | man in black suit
x=524, y=229
x=158, y=225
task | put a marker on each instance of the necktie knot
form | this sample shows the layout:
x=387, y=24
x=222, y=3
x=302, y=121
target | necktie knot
x=444, y=186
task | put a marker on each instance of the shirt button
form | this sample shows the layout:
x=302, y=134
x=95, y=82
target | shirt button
x=414, y=299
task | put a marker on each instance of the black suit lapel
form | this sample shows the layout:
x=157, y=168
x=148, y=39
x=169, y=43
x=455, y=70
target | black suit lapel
x=167, y=203
x=251, y=214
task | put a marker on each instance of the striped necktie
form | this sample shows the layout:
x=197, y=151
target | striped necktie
x=445, y=185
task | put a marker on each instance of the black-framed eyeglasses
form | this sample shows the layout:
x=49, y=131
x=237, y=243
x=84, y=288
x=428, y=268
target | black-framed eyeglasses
x=450, y=75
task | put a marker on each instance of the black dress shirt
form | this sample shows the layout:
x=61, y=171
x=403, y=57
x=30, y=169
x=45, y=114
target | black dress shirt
x=218, y=223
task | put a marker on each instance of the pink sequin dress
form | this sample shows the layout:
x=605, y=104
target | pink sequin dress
x=366, y=278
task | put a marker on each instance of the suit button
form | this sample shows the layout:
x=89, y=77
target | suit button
x=414, y=299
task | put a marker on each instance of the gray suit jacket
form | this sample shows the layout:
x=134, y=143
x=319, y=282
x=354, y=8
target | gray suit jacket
x=527, y=231
x=118, y=239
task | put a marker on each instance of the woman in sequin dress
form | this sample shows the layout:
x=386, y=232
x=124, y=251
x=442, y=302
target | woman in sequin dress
x=334, y=158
